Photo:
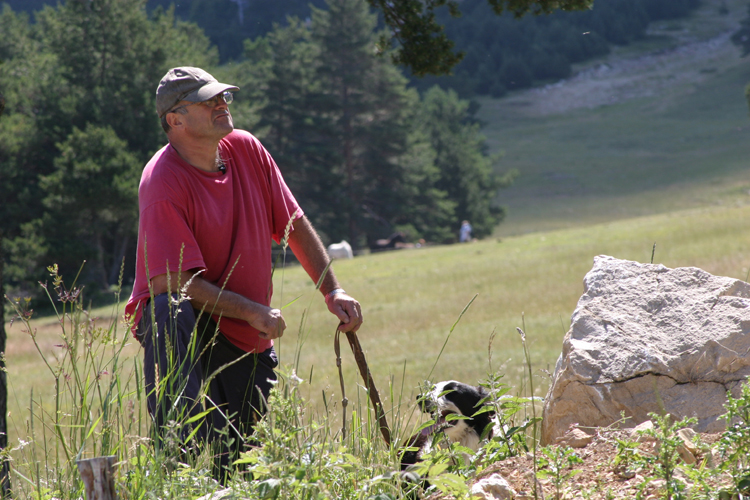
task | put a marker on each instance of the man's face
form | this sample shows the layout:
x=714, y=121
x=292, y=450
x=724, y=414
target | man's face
x=208, y=119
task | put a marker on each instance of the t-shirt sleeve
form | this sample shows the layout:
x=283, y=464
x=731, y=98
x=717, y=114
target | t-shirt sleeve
x=284, y=207
x=169, y=243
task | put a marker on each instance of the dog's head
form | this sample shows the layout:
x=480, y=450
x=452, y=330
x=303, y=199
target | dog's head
x=456, y=398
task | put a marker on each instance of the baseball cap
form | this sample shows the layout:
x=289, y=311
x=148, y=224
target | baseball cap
x=187, y=84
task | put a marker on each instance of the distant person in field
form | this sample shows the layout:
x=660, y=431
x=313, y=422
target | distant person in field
x=464, y=234
x=211, y=201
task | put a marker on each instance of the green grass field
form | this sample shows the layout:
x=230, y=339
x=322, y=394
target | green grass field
x=668, y=169
x=411, y=299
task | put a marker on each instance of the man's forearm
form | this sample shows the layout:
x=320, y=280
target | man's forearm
x=204, y=294
x=213, y=300
x=311, y=253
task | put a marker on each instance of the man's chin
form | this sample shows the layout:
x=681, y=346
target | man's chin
x=225, y=125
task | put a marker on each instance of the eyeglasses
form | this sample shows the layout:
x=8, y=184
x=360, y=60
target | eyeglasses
x=225, y=97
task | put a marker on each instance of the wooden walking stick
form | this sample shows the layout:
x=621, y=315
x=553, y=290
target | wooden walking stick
x=344, y=400
x=359, y=357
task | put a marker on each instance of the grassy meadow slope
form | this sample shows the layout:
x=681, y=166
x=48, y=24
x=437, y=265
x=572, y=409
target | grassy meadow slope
x=633, y=134
x=412, y=298
x=647, y=149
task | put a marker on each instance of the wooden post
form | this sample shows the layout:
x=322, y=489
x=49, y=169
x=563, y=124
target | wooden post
x=98, y=478
x=5, y=489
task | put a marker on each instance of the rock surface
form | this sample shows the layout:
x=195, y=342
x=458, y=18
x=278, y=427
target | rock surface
x=494, y=487
x=646, y=338
x=574, y=438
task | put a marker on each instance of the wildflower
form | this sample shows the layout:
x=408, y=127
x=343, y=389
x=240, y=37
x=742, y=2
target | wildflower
x=295, y=379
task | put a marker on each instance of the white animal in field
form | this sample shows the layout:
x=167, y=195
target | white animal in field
x=341, y=250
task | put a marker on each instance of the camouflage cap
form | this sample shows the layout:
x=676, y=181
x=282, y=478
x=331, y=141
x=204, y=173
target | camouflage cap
x=187, y=84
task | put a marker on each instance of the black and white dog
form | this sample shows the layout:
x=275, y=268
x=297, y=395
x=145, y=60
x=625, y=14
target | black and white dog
x=451, y=398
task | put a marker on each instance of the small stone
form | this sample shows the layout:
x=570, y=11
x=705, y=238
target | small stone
x=626, y=474
x=688, y=436
x=494, y=487
x=575, y=438
x=686, y=455
x=638, y=432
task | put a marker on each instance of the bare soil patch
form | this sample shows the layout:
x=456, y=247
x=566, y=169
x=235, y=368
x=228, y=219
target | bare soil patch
x=598, y=478
x=692, y=56
x=620, y=79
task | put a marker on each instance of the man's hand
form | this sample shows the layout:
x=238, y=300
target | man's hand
x=269, y=322
x=311, y=253
x=347, y=310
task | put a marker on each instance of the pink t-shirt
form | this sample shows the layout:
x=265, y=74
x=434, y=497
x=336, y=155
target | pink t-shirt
x=225, y=222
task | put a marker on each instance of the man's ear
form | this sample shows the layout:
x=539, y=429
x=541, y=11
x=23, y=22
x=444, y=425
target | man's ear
x=174, y=119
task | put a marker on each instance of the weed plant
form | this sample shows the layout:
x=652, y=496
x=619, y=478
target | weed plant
x=557, y=464
x=735, y=442
x=96, y=401
x=662, y=464
x=98, y=409
x=627, y=459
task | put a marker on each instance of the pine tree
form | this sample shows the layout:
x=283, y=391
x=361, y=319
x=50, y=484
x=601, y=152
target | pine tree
x=358, y=149
x=285, y=61
x=466, y=170
x=362, y=113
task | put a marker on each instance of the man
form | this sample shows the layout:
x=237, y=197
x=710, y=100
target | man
x=210, y=202
x=464, y=234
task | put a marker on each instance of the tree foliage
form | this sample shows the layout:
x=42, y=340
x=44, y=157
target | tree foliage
x=351, y=137
x=80, y=123
x=424, y=46
x=466, y=170
x=741, y=38
x=359, y=147
x=502, y=53
x=94, y=184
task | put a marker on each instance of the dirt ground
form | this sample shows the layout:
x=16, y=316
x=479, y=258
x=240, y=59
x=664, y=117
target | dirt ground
x=599, y=478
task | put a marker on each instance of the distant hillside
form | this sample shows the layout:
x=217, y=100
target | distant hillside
x=658, y=126
x=502, y=53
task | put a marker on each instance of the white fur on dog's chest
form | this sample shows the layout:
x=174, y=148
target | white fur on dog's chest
x=464, y=435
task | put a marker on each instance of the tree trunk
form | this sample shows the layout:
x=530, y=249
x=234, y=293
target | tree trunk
x=349, y=164
x=5, y=491
x=114, y=270
x=99, y=268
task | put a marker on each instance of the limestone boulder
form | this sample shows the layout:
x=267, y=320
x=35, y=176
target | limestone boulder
x=644, y=338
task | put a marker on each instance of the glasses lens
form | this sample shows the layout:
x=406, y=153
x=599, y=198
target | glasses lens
x=225, y=97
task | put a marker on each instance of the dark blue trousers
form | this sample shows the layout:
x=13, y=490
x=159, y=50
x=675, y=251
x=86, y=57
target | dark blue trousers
x=188, y=350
